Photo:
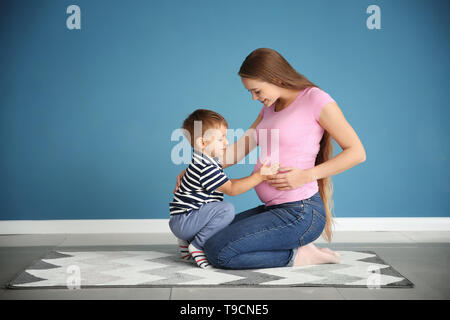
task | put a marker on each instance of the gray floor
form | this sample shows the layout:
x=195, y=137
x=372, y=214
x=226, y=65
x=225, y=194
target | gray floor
x=422, y=257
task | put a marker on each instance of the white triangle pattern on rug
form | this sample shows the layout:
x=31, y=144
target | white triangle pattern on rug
x=155, y=268
x=358, y=273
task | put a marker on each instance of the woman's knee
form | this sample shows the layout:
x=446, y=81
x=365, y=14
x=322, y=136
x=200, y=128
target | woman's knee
x=211, y=252
x=215, y=248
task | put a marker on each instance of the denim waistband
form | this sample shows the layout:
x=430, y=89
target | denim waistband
x=286, y=204
x=290, y=204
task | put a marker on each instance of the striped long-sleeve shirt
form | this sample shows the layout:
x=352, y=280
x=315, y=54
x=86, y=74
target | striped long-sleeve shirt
x=202, y=177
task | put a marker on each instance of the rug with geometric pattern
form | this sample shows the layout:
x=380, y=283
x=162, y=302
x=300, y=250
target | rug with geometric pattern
x=157, y=268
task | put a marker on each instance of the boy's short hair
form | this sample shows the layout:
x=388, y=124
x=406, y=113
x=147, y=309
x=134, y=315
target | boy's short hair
x=209, y=120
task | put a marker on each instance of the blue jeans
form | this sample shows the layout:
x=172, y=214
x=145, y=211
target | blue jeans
x=197, y=226
x=267, y=237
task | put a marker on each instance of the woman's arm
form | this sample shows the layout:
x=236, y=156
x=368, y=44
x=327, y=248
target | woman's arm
x=332, y=120
x=240, y=149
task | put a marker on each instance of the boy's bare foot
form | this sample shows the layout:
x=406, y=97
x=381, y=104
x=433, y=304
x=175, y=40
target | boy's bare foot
x=310, y=254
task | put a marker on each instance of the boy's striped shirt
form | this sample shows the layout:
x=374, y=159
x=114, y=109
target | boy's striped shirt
x=202, y=177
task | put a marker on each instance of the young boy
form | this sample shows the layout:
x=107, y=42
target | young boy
x=197, y=210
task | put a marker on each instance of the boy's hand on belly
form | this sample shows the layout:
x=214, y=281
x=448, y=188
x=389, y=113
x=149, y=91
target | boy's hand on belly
x=269, y=170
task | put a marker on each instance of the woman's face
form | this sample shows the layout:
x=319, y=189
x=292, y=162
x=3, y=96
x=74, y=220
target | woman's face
x=265, y=92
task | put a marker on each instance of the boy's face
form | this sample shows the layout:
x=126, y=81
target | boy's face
x=215, y=141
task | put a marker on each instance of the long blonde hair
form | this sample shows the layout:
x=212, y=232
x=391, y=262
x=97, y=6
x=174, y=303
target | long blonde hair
x=268, y=65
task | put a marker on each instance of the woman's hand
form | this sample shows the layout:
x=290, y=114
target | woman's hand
x=179, y=180
x=289, y=178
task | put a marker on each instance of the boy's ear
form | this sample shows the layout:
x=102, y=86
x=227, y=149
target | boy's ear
x=200, y=143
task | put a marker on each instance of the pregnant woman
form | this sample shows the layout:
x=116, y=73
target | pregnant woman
x=294, y=128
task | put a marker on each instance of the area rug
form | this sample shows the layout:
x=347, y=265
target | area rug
x=157, y=268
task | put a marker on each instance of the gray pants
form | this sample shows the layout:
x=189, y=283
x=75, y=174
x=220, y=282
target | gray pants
x=197, y=226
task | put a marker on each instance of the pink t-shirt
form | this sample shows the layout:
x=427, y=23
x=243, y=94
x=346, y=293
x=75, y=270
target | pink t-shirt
x=298, y=135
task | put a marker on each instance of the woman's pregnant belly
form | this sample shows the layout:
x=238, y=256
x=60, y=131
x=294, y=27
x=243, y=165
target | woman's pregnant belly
x=271, y=196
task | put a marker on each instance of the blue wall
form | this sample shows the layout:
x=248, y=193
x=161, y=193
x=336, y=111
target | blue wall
x=86, y=115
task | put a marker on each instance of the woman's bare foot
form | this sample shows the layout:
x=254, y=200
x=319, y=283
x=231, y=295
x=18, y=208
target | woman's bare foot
x=330, y=251
x=310, y=254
